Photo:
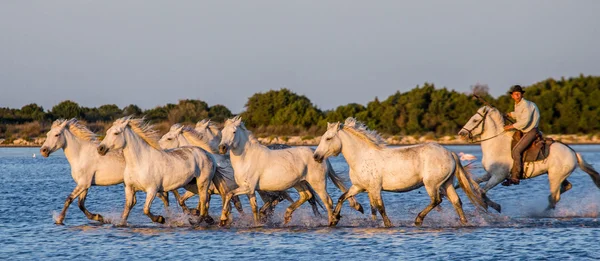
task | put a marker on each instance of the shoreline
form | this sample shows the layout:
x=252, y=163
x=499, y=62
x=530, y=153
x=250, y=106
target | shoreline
x=570, y=139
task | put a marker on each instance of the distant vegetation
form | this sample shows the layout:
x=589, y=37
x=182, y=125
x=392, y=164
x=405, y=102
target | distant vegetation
x=568, y=106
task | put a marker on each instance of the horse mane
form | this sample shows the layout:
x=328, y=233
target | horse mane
x=196, y=136
x=143, y=129
x=78, y=129
x=361, y=131
x=212, y=127
x=495, y=110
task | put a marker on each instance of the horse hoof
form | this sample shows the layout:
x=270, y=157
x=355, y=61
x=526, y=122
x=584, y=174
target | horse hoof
x=160, y=219
x=122, y=224
x=418, y=222
x=223, y=223
x=209, y=220
x=387, y=224
x=194, y=212
x=99, y=218
x=287, y=219
x=333, y=223
x=60, y=223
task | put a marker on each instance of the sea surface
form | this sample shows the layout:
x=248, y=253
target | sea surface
x=33, y=191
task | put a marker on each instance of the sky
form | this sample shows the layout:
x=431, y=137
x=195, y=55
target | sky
x=151, y=53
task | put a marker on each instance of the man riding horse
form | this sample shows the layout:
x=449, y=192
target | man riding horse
x=527, y=116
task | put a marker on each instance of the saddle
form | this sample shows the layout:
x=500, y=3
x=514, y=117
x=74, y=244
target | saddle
x=538, y=150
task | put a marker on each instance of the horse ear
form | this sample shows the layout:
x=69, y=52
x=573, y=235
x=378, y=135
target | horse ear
x=180, y=128
x=64, y=124
x=237, y=120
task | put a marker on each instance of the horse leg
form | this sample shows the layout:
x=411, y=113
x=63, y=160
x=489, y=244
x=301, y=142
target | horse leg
x=565, y=186
x=74, y=194
x=556, y=187
x=377, y=201
x=486, y=177
x=237, y=203
x=164, y=196
x=373, y=210
x=181, y=201
x=254, y=206
x=455, y=200
x=303, y=197
x=150, y=195
x=267, y=209
x=352, y=191
x=89, y=215
x=204, y=200
x=226, y=204
x=495, y=179
x=321, y=189
x=130, y=201
x=434, y=194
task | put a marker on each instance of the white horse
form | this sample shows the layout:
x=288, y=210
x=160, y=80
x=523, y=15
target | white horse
x=87, y=167
x=180, y=135
x=259, y=168
x=209, y=133
x=375, y=167
x=488, y=126
x=150, y=169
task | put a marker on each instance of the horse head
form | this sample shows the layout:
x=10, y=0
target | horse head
x=55, y=138
x=171, y=139
x=114, y=139
x=231, y=134
x=330, y=143
x=476, y=126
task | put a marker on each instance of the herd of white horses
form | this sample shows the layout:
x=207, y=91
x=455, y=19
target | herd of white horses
x=231, y=162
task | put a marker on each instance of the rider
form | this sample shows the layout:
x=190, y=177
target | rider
x=527, y=117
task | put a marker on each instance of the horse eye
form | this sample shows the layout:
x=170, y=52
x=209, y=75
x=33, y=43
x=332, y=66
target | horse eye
x=57, y=135
x=328, y=139
x=169, y=138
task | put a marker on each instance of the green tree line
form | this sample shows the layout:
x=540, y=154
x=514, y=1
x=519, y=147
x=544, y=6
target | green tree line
x=567, y=106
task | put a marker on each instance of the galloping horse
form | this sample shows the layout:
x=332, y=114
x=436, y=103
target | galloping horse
x=87, y=167
x=259, y=168
x=488, y=125
x=180, y=135
x=150, y=169
x=375, y=167
x=211, y=134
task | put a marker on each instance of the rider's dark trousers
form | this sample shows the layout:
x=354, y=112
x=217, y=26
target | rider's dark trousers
x=517, y=152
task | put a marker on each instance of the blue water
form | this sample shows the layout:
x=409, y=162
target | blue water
x=33, y=190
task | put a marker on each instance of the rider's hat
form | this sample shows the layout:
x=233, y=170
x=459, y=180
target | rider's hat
x=516, y=88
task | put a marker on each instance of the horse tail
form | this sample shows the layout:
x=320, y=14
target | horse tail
x=338, y=182
x=588, y=169
x=313, y=200
x=468, y=184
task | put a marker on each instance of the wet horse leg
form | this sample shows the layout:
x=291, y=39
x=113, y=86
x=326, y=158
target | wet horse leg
x=304, y=195
x=89, y=215
x=227, y=207
x=130, y=201
x=164, y=196
x=455, y=200
x=377, y=201
x=352, y=191
x=74, y=194
x=150, y=195
x=434, y=194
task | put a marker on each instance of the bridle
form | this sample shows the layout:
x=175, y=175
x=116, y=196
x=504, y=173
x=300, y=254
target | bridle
x=482, y=123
